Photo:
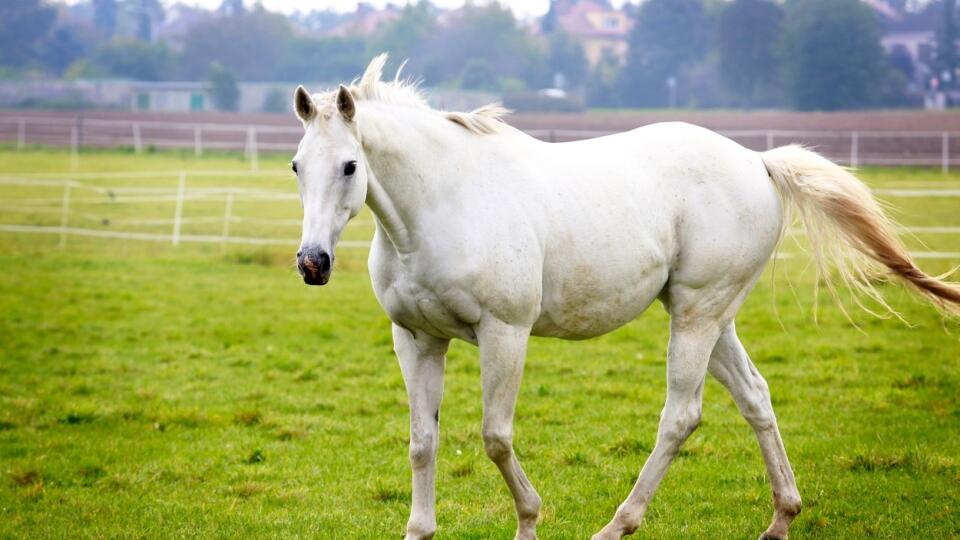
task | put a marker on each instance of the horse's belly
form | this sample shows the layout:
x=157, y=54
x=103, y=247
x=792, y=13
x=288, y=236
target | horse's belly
x=581, y=307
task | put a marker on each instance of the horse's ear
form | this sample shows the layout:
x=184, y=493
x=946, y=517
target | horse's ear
x=346, y=104
x=303, y=104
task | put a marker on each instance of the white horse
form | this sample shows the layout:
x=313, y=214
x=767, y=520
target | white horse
x=490, y=236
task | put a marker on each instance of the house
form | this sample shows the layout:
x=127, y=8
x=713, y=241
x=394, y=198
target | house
x=601, y=29
x=912, y=32
x=169, y=96
x=913, y=35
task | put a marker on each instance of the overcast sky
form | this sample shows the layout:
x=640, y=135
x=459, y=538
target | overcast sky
x=522, y=8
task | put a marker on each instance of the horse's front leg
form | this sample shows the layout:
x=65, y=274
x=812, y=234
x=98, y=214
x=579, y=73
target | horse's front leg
x=503, y=348
x=421, y=361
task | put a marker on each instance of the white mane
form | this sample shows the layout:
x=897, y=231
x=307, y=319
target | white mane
x=405, y=92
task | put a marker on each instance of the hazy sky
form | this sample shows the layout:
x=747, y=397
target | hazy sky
x=522, y=8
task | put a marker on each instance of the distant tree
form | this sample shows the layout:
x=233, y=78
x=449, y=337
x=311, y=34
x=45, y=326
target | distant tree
x=231, y=7
x=948, y=58
x=406, y=38
x=250, y=44
x=548, y=23
x=105, y=16
x=62, y=47
x=332, y=59
x=602, y=87
x=669, y=36
x=748, y=38
x=134, y=59
x=224, y=88
x=23, y=26
x=146, y=13
x=833, y=58
x=566, y=57
x=898, y=5
x=276, y=101
x=900, y=59
x=489, y=32
x=478, y=75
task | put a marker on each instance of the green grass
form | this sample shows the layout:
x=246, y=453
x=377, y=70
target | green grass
x=204, y=391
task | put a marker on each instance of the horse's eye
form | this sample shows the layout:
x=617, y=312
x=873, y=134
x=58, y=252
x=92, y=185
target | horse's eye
x=349, y=168
x=293, y=165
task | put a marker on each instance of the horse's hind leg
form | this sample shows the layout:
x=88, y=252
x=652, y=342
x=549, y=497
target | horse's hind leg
x=691, y=341
x=731, y=365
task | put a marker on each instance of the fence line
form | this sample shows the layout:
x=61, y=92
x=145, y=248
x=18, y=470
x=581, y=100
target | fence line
x=71, y=176
x=247, y=137
x=180, y=194
x=160, y=237
x=349, y=244
x=60, y=179
x=937, y=193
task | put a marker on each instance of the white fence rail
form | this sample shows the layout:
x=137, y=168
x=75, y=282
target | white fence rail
x=925, y=148
x=77, y=191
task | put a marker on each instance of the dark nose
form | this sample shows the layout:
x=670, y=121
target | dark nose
x=315, y=265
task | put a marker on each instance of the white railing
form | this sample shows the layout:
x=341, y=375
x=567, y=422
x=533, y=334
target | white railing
x=855, y=148
x=78, y=191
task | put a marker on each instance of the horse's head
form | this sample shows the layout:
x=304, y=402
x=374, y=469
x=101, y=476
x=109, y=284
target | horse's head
x=331, y=175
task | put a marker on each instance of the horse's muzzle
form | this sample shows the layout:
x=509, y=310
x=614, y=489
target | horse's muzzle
x=314, y=265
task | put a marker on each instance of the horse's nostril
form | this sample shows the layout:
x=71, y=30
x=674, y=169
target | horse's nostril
x=300, y=254
x=324, y=262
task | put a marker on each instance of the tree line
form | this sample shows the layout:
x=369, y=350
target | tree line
x=804, y=54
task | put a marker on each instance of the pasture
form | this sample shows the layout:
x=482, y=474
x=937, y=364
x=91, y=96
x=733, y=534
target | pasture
x=201, y=390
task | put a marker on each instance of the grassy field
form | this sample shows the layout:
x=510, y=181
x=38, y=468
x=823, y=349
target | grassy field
x=148, y=390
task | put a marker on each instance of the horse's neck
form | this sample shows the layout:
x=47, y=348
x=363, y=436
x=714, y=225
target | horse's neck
x=404, y=161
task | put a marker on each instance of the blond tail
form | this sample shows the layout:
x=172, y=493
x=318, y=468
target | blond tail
x=848, y=229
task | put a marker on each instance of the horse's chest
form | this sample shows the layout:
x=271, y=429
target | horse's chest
x=413, y=301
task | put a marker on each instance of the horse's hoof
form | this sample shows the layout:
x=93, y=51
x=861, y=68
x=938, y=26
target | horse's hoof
x=766, y=536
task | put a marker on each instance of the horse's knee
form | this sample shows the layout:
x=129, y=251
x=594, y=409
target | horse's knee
x=677, y=428
x=757, y=409
x=423, y=449
x=760, y=416
x=497, y=445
